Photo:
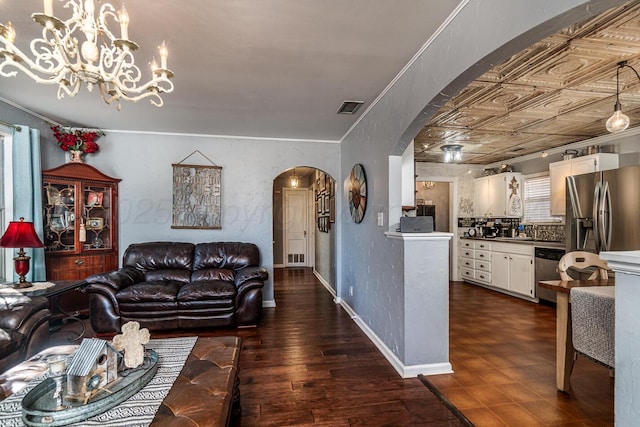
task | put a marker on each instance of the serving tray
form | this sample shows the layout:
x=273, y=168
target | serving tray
x=39, y=407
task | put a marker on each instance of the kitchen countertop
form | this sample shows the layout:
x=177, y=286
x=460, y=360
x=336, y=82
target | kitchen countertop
x=521, y=240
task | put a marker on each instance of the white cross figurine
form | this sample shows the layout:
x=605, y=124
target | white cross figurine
x=132, y=340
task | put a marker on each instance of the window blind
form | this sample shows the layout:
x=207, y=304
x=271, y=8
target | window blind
x=537, y=200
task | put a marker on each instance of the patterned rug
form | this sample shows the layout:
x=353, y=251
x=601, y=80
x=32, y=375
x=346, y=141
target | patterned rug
x=138, y=410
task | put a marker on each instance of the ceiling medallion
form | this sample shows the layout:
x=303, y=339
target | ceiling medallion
x=357, y=193
x=82, y=49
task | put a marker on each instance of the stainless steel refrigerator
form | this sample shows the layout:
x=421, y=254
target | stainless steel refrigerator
x=603, y=210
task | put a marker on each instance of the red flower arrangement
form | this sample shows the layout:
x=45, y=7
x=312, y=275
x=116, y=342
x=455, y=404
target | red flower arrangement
x=73, y=139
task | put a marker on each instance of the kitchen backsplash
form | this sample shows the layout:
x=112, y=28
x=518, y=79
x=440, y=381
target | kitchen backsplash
x=546, y=232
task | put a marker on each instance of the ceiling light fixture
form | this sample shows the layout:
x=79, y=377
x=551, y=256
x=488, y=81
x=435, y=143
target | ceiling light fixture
x=452, y=152
x=619, y=121
x=544, y=154
x=83, y=49
x=428, y=185
x=294, y=179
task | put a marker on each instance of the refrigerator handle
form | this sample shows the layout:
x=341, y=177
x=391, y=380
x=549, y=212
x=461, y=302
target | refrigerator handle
x=596, y=216
x=605, y=216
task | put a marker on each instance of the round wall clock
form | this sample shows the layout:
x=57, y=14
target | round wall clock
x=357, y=193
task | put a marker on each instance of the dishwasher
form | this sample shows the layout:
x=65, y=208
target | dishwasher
x=546, y=262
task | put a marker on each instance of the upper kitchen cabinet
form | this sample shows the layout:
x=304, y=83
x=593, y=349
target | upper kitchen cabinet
x=498, y=195
x=558, y=171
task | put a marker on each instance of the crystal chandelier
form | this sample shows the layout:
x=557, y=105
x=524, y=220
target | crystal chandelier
x=83, y=49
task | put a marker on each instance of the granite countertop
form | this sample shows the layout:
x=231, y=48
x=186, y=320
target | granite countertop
x=521, y=240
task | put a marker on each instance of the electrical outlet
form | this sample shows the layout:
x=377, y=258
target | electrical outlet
x=350, y=291
x=380, y=219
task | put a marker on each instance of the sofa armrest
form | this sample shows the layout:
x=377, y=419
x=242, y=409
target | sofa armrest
x=250, y=274
x=116, y=280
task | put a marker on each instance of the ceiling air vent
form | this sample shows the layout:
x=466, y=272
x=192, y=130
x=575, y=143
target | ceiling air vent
x=349, y=107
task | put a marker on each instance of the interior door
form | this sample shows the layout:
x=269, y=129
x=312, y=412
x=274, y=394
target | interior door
x=295, y=227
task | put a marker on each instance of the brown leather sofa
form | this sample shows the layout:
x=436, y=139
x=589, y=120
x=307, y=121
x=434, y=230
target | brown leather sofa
x=174, y=285
x=24, y=328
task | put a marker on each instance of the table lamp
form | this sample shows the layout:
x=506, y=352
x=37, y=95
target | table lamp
x=21, y=234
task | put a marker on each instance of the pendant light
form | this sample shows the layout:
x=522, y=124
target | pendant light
x=619, y=121
x=294, y=179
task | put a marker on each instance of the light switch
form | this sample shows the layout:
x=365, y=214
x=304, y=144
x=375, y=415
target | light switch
x=380, y=219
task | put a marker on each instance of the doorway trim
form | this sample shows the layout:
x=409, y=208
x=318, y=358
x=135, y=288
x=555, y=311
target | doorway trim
x=453, y=217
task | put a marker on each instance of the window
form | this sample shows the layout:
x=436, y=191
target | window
x=3, y=261
x=537, y=199
x=6, y=202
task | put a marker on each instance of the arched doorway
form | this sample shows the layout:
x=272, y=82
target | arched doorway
x=304, y=213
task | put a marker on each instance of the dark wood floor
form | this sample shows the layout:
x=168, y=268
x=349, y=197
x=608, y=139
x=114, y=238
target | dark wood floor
x=309, y=364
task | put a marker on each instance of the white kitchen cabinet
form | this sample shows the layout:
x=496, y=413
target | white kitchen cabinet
x=558, y=171
x=521, y=274
x=475, y=261
x=512, y=268
x=500, y=270
x=498, y=195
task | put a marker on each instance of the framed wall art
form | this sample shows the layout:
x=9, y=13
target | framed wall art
x=357, y=193
x=197, y=196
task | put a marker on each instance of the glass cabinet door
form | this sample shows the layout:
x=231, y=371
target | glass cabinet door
x=96, y=213
x=59, y=217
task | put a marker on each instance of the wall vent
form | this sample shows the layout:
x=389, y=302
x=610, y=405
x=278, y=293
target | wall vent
x=349, y=107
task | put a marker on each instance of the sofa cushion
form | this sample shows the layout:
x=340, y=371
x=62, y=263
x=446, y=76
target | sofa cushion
x=159, y=255
x=168, y=275
x=159, y=291
x=223, y=274
x=10, y=341
x=230, y=255
x=19, y=313
x=211, y=291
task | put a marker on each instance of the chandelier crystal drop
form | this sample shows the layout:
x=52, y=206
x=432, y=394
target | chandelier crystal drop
x=82, y=49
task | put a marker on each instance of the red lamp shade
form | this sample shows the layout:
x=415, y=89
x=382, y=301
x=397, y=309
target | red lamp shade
x=21, y=234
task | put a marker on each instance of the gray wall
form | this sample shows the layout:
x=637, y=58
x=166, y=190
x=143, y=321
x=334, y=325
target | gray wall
x=143, y=162
x=474, y=40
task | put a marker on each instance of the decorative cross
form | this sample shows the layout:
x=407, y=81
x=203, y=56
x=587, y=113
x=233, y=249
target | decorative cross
x=132, y=340
x=514, y=186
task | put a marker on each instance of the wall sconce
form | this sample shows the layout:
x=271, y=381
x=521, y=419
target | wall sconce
x=452, y=152
x=294, y=181
x=619, y=121
x=21, y=234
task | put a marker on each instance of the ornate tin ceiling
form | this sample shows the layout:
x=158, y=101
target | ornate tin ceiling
x=559, y=91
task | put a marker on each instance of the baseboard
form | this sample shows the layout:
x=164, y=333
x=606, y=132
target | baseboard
x=269, y=304
x=404, y=371
x=278, y=265
x=325, y=284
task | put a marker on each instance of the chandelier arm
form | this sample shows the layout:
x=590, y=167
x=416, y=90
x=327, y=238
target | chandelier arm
x=107, y=10
x=82, y=49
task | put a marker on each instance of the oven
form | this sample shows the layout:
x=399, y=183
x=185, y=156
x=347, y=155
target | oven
x=546, y=262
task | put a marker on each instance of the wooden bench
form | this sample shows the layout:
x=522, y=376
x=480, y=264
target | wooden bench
x=207, y=392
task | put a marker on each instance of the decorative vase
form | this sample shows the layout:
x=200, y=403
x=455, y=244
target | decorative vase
x=76, y=156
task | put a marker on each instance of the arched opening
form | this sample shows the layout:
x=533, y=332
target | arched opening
x=304, y=214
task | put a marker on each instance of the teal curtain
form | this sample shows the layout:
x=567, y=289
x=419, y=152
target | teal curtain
x=27, y=191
